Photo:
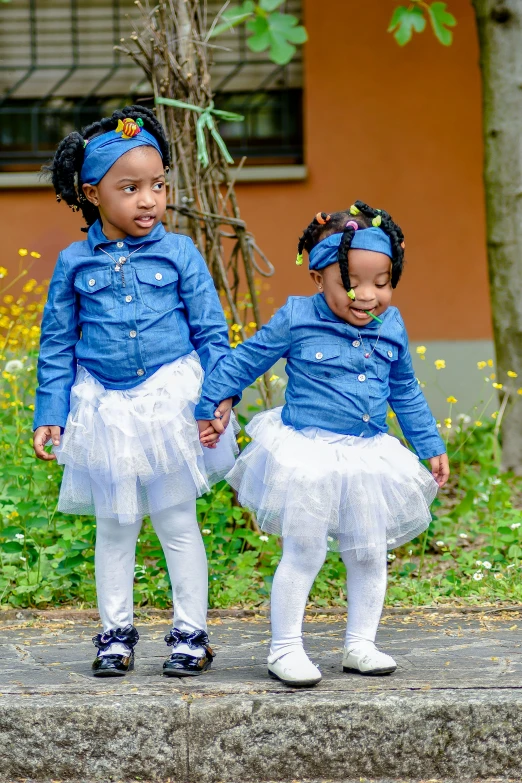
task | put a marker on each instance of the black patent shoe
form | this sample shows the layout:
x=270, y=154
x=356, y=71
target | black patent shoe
x=183, y=664
x=114, y=665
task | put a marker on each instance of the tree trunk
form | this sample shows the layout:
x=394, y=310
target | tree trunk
x=500, y=34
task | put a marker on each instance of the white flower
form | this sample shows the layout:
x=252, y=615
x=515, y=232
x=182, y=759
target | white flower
x=464, y=418
x=410, y=552
x=515, y=525
x=391, y=556
x=478, y=576
x=496, y=482
x=478, y=562
x=329, y=539
x=440, y=543
x=15, y=365
x=463, y=535
x=486, y=564
x=263, y=538
x=498, y=576
x=206, y=531
x=19, y=536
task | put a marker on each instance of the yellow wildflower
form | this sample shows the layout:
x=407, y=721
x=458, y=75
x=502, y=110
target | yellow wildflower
x=23, y=251
x=259, y=401
x=421, y=350
x=447, y=423
x=236, y=327
x=478, y=424
x=440, y=364
x=8, y=299
x=497, y=386
x=3, y=271
x=490, y=362
x=519, y=391
x=252, y=325
x=273, y=378
x=481, y=365
x=451, y=399
x=28, y=287
x=492, y=376
x=35, y=254
x=512, y=374
x=494, y=414
x=31, y=407
x=391, y=415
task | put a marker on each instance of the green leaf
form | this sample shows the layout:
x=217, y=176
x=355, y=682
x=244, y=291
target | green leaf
x=281, y=52
x=11, y=547
x=405, y=21
x=440, y=20
x=270, y=5
x=514, y=551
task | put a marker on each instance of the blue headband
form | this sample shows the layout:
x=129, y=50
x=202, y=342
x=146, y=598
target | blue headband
x=325, y=252
x=103, y=151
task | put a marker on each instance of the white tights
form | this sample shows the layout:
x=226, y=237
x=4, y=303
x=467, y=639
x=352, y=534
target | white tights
x=301, y=561
x=179, y=535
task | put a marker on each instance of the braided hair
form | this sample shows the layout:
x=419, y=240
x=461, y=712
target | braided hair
x=66, y=165
x=324, y=224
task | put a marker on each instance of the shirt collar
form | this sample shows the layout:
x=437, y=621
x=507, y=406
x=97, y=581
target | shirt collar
x=324, y=312
x=96, y=237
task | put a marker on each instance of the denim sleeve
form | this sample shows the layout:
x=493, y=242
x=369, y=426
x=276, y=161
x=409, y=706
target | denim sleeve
x=245, y=363
x=56, y=362
x=205, y=317
x=409, y=404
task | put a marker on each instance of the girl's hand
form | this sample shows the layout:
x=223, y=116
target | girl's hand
x=223, y=413
x=208, y=436
x=440, y=469
x=41, y=436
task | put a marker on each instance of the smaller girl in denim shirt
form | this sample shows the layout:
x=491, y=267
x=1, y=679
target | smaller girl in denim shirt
x=131, y=322
x=323, y=467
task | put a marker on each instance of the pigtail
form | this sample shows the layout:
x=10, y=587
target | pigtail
x=385, y=221
x=342, y=255
x=64, y=169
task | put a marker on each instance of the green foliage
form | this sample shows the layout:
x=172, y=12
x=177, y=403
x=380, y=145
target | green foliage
x=412, y=18
x=269, y=30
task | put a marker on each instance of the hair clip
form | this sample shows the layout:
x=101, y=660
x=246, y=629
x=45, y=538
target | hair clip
x=299, y=259
x=352, y=224
x=376, y=222
x=354, y=210
x=322, y=220
x=85, y=142
x=351, y=294
x=128, y=128
x=58, y=198
x=139, y=122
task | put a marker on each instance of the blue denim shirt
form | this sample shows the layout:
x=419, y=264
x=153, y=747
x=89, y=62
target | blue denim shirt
x=331, y=384
x=124, y=329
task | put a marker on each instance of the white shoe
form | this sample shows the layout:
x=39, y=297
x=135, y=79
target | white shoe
x=367, y=659
x=294, y=668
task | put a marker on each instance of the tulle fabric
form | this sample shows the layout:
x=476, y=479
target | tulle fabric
x=365, y=494
x=134, y=452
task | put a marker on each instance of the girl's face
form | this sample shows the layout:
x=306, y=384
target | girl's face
x=131, y=197
x=370, y=276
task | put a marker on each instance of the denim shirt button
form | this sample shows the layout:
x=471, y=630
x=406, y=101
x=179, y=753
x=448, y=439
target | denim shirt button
x=319, y=355
x=128, y=298
x=390, y=354
x=121, y=259
x=140, y=372
x=119, y=244
x=356, y=343
x=92, y=281
x=366, y=417
x=158, y=276
x=361, y=378
x=133, y=333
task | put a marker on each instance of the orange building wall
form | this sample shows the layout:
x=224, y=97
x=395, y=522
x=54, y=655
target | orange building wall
x=398, y=128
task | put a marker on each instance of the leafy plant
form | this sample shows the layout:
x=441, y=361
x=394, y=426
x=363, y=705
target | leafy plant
x=412, y=18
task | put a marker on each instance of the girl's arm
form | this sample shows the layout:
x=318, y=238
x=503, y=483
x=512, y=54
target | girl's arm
x=205, y=317
x=408, y=402
x=244, y=364
x=56, y=361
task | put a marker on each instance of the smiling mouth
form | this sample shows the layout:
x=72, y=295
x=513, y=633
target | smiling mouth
x=145, y=219
x=362, y=313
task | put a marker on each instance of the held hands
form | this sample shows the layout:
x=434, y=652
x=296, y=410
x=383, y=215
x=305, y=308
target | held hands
x=210, y=431
x=43, y=435
x=440, y=468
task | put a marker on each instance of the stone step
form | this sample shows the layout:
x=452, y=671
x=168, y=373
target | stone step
x=451, y=712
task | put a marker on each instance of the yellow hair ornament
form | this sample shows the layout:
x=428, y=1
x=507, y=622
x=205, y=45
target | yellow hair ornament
x=376, y=222
x=351, y=294
x=299, y=259
x=354, y=210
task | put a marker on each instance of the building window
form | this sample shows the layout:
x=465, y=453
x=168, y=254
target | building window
x=59, y=71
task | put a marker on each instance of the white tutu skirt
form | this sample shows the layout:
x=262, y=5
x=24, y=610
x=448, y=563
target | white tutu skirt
x=364, y=494
x=134, y=452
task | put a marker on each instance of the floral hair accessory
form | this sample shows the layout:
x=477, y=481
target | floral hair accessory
x=376, y=222
x=129, y=128
x=354, y=210
x=299, y=259
x=403, y=245
x=351, y=294
x=322, y=220
x=352, y=224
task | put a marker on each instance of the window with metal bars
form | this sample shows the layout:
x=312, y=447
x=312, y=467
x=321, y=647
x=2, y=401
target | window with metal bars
x=59, y=71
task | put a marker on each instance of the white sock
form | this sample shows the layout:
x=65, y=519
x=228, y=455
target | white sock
x=301, y=562
x=116, y=648
x=366, y=585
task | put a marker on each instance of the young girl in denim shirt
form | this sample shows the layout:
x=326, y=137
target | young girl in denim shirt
x=131, y=322
x=323, y=467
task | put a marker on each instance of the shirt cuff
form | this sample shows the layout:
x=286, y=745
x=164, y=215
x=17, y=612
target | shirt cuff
x=51, y=411
x=430, y=448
